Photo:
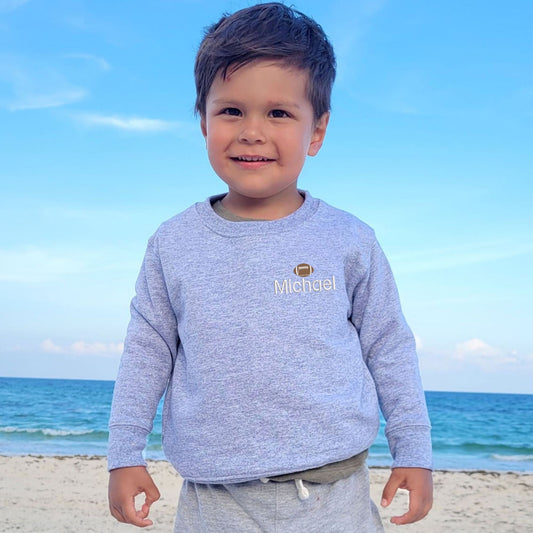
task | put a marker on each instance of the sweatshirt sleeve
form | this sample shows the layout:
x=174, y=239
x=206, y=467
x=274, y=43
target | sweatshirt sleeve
x=389, y=350
x=149, y=351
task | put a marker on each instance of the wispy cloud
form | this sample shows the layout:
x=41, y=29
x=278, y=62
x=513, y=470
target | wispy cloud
x=458, y=256
x=405, y=92
x=347, y=26
x=32, y=85
x=10, y=5
x=132, y=123
x=84, y=348
x=43, y=100
x=100, y=62
x=32, y=264
x=84, y=20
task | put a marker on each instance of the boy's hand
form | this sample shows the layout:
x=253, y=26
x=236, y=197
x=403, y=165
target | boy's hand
x=124, y=485
x=419, y=483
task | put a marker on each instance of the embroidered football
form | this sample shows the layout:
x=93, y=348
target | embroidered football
x=303, y=270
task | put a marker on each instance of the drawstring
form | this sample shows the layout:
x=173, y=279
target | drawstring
x=303, y=492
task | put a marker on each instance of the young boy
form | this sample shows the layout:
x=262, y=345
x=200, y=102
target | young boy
x=270, y=319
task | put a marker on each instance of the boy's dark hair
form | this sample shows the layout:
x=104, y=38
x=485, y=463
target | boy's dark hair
x=266, y=31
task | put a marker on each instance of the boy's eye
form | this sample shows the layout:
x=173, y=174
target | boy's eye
x=231, y=111
x=279, y=113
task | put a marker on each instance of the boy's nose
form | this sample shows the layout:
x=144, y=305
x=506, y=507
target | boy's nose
x=252, y=132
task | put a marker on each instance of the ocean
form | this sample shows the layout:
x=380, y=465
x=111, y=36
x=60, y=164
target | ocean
x=471, y=431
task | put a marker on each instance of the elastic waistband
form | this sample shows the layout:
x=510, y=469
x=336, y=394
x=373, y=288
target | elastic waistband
x=328, y=473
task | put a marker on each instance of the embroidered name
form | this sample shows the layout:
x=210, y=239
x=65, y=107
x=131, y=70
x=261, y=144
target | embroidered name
x=288, y=286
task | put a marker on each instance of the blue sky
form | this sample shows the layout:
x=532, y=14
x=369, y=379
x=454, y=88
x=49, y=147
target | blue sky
x=429, y=142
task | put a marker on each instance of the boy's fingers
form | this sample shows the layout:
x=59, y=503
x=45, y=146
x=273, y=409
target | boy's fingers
x=420, y=486
x=406, y=518
x=129, y=515
x=152, y=493
x=140, y=518
x=412, y=515
x=389, y=491
x=146, y=506
x=417, y=511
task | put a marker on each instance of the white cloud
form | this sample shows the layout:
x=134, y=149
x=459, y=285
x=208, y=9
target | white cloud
x=100, y=62
x=84, y=348
x=33, y=84
x=49, y=346
x=96, y=348
x=476, y=365
x=137, y=124
x=42, y=100
x=10, y=5
x=482, y=355
x=126, y=123
x=476, y=348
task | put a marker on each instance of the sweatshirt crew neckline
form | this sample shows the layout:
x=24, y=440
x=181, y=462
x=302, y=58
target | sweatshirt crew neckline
x=246, y=228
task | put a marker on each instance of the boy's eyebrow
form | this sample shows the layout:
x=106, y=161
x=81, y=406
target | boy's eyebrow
x=271, y=103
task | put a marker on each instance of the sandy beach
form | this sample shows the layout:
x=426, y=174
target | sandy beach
x=64, y=494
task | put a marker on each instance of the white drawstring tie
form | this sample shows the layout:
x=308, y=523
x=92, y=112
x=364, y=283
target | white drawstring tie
x=303, y=493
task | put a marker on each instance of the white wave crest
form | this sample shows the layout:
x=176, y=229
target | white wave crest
x=47, y=431
x=512, y=458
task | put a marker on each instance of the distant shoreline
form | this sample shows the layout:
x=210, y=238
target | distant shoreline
x=108, y=380
x=164, y=461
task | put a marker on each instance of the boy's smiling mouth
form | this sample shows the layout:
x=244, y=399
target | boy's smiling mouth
x=251, y=158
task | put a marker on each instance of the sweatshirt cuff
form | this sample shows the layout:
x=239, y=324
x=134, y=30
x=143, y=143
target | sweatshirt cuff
x=411, y=447
x=126, y=446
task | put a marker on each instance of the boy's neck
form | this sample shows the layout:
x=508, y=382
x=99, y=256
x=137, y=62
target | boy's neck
x=262, y=208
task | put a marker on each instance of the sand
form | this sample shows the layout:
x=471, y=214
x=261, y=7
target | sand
x=41, y=494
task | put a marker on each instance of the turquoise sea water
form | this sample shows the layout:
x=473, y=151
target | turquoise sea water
x=471, y=431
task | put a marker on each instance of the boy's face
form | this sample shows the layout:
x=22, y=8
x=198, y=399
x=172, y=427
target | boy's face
x=259, y=127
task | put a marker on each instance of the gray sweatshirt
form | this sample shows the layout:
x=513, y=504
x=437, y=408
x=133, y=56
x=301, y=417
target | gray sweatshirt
x=275, y=341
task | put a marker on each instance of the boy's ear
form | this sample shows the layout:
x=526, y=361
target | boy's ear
x=203, y=126
x=318, y=134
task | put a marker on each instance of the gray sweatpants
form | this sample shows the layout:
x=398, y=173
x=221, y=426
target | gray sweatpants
x=341, y=507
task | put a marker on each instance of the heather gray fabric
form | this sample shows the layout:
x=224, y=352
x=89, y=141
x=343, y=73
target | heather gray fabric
x=273, y=341
x=324, y=474
x=341, y=507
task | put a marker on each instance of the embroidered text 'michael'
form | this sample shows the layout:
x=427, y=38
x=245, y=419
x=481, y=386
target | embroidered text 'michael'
x=289, y=286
